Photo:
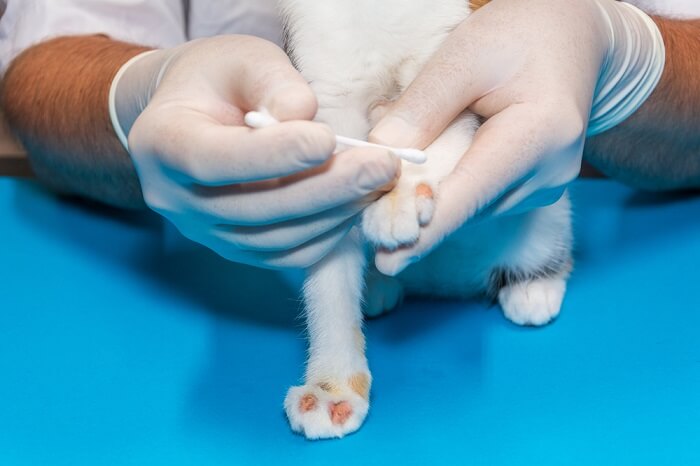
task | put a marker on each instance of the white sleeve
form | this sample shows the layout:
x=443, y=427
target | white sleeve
x=156, y=23
x=255, y=17
x=671, y=8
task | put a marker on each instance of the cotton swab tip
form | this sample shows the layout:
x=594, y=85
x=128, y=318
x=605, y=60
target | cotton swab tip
x=259, y=119
x=410, y=155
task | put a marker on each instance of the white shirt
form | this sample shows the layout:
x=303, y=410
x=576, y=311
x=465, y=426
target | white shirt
x=156, y=23
x=165, y=23
x=672, y=8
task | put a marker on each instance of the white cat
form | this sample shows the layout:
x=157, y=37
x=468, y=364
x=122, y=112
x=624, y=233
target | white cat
x=357, y=54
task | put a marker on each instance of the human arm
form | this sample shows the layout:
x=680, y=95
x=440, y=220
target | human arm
x=658, y=147
x=54, y=95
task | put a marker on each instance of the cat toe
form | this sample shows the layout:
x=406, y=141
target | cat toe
x=339, y=412
x=307, y=403
x=425, y=204
x=377, y=226
x=405, y=228
x=535, y=302
x=393, y=220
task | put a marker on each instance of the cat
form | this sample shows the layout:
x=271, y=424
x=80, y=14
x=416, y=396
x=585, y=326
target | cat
x=356, y=55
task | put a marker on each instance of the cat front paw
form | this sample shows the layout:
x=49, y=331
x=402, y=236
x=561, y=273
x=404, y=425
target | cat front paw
x=328, y=410
x=395, y=219
x=535, y=302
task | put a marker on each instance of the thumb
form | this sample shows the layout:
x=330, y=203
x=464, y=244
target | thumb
x=473, y=62
x=442, y=90
x=419, y=116
x=271, y=81
x=291, y=101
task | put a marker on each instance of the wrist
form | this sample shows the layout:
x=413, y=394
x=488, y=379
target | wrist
x=132, y=89
x=632, y=66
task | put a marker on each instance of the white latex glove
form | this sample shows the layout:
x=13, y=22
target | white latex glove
x=536, y=71
x=273, y=197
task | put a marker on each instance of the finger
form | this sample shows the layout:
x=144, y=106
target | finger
x=206, y=152
x=302, y=256
x=346, y=178
x=450, y=82
x=525, y=200
x=504, y=152
x=268, y=79
x=289, y=235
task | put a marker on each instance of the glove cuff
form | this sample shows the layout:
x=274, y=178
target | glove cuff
x=632, y=68
x=131, y=90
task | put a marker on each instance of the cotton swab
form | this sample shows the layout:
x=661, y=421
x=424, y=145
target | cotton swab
x=263, y=119
x=409, y=155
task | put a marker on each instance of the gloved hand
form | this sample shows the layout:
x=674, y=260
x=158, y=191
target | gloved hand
x=273, y=197
x=536, y=71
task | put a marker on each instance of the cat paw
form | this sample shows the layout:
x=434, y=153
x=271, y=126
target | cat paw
x=534, y=302
x=395, y=219
x=383, y=294
x=324, y=410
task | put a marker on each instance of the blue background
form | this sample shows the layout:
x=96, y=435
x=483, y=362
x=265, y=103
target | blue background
x=116, y=348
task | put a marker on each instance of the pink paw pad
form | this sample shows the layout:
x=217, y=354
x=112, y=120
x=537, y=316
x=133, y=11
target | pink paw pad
x=307, y=403
x=339, y=412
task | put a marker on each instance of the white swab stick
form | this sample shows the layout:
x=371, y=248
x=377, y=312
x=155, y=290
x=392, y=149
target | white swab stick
x=409, y=155
x=263, y=119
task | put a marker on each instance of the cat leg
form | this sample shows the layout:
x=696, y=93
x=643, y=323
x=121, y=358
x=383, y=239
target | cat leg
x=531, y=288
x=396, y=218
x=383, y=294
x=334, y=399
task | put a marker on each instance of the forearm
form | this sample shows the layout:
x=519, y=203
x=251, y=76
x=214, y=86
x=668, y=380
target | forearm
x=658, y=147
x=55, y=96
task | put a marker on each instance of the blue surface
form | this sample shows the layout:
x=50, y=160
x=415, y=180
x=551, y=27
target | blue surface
x=115, y=351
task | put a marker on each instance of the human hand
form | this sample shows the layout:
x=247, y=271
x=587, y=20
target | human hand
x=272, y=197
x=535, y=71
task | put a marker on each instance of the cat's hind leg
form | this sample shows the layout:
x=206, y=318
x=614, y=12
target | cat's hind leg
x=334, y=399
x=530, y=287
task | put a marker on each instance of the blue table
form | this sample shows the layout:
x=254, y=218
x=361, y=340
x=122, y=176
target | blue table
x=116, y=349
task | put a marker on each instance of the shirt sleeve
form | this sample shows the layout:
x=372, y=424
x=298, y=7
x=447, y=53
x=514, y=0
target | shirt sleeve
x=671, y=8
x=155, y=23
x=255, y=17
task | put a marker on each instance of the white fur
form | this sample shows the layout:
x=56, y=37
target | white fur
x=317, y=423
x=357, y=55
x=534, y=302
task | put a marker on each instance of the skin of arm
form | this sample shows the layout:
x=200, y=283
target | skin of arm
x=658, y=147
x=55, y=97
